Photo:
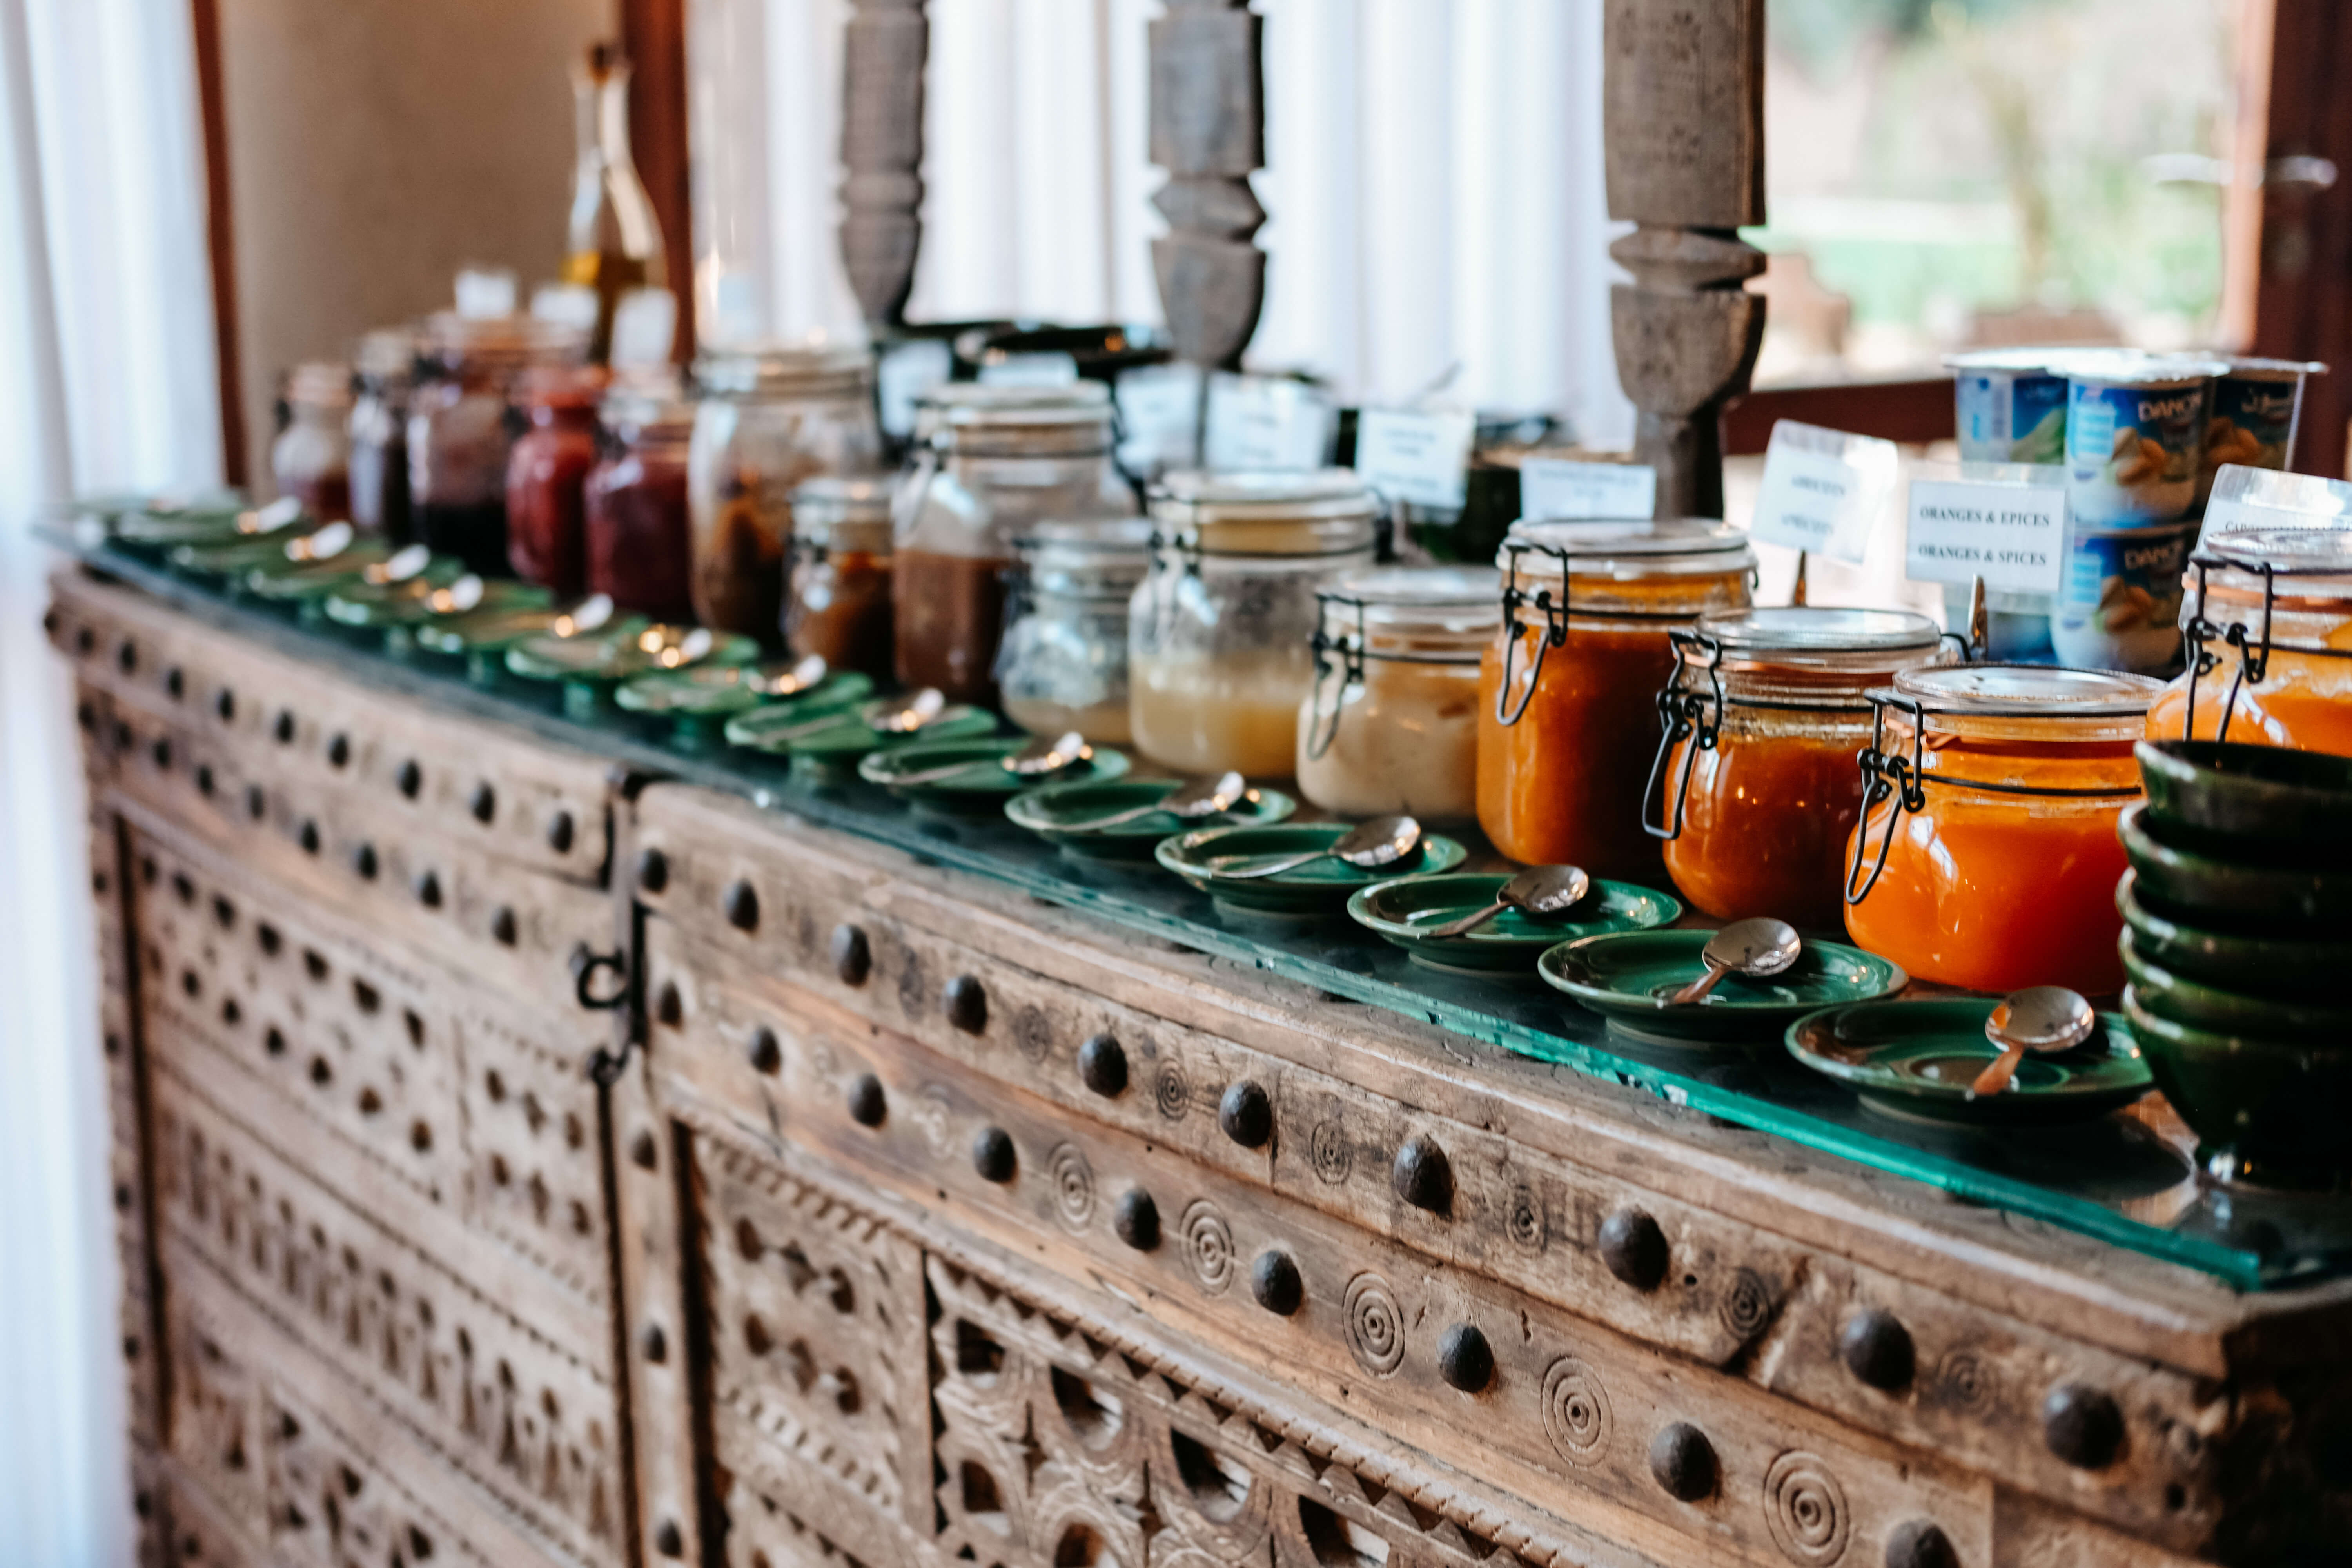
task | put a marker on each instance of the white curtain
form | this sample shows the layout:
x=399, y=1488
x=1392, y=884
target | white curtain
x=1433, y=184
x=107, y=382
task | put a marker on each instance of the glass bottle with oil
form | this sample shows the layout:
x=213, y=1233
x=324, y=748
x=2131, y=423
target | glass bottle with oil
x=616, y=239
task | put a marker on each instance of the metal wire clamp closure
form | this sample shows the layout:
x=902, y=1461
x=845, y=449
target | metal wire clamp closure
x=1684, y=713
x=2254, y=649
x=1341, y=656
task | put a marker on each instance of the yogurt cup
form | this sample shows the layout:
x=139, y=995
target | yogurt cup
x=2135, y=436
x=2252, y=422
x=2119, y=605
x=2010, y=405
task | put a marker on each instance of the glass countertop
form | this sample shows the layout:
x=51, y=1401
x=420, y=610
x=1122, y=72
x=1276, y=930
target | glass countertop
x=2127, y=1178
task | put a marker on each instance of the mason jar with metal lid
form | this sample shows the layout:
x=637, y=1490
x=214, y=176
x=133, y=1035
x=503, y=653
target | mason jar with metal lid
x=1001, y=459
x=769, y=420
x=639, y=551
x=2268, y=619
x=461, y=424
x=837, y=602
x=1987, y=854
x=311, y=459
x=1064, y=666
x=1568, y=710
x=1754, y=787
x=1219, y=654
x=384, y=370
x=1392, y=725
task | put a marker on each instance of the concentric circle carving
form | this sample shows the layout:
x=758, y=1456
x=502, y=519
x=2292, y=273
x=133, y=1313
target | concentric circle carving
x=936, y=1118
x=1806, y=1509
x=1208, y=1244
x=1966, y=1383
x=1523, y=1219
x=1073, y=1183
x=1374, y=1325
x=1576, y=1414
x=1327, y=1145
x=1748, y=1304
x=1169, y=1092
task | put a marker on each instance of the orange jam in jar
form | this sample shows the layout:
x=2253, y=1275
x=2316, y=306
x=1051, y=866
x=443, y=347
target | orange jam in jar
x=2269, y=626
x=1755, y=788
x=1987, y=855
x=1567, y=712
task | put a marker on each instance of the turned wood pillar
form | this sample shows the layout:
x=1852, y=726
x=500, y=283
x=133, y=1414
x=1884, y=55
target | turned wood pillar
x=1684, y=106
x=1208, y=130
x=883, y=51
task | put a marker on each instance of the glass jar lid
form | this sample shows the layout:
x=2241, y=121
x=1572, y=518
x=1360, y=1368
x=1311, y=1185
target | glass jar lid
x=1637, y=547
x=1087, y=557
x=501, y=342
x=1822, y=637
x=2299, y=563
x=781, y=371
x=836, y=511
x=2022, y=701
x=563, y=386
x=963, y=405
x=648, y=403
x=1407, y=599
x=1312, y=512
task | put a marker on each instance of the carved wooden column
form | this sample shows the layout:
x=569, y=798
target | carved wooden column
x=883, y=51
x=1684, y=103
x=1208, y=130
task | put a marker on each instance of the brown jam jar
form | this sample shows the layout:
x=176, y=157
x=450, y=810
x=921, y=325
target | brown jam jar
x=547, y=475
x=837, y=602
x=460, y=428
x=639, y=552
x=378, y=462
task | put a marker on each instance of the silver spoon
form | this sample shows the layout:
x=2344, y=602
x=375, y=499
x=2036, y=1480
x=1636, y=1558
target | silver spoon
x=1760, y=947
x=1202, y=797
x=589, y=614
x=2043, y=1020
x=1382, y=841
x=789, y=682
x=1045, y=754
x=1544, y=892
x=905, y=715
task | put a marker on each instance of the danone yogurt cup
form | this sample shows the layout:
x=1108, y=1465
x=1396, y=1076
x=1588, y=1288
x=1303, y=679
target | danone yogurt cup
x=2135, y=436
x=2010, y=405
x=2119, y=604
x=2252, y=422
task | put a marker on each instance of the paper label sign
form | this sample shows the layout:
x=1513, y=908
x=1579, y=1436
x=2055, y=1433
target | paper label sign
x=486, y=293
x=1555, y=488
x=2013, y=536
x=1415, y=458
x=645, y=329
x=1159, y=416
x=908, y=372
x=1823, y=490
x=1266, y=422
x=566, y=304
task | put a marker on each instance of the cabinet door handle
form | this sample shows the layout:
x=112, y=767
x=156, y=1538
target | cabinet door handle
x=585, y=966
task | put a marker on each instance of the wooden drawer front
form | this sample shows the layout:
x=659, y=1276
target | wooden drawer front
x=274, y=1460
x=469, y=1113
x=517, y=931
x=270, y=719
x=457, y=1358
x=1764, y=1309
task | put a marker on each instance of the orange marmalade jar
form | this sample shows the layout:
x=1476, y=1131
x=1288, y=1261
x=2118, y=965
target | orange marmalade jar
x=1568, y=710
x=1987, y=855
x=2268, y=620
x=1755, y=788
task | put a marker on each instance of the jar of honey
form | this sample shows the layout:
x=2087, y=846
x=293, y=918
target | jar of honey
x=1987, y=855
x=1392, y=725
x=1754, y=788
x=1001, y=459
x=1064, y=666
x=1567, y=720
x=1219, y=654
x=2268, y=620
x=768, y=421
x=837, y=601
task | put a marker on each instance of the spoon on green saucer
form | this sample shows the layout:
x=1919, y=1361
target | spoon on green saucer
x=1762, y=947
x=788, y=682
x=2043, y=1020
x=905, y=715
x=1382, y=841
x=1201, y=797
x=1044, y=755
x=1541, y=893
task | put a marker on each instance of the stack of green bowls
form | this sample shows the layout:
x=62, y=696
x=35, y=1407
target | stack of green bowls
x=2238, y=942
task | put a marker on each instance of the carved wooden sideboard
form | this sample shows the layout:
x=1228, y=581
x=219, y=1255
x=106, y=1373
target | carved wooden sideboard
x=922, y=1226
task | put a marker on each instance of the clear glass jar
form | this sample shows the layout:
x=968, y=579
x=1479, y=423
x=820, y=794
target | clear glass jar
x=1064, y=661
x=1754, y=788
x=639, y=552
x=770, y=420
x=382, y=370
x=1219, y=642
x=1568, y=718
x=2296, y=690
x=1001, y=459
x=838, y=604
x=547, y=475
x=461, y=424
x=1987, y=855
x=311, y=459
x=1392, y=725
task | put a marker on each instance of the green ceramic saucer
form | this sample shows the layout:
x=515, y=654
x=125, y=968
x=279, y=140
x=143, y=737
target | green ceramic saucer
x=983, y=786
x=2185, y=1001
x=210, y=519
x=2263, y=1110
x=1403, y=909
x=1917, y=1059
x=307, y=583
x=1624, y=976
x=835, y=751
x=701, y=700
x=1318, y=888
x=2214, y=793
x=2300, y=965
x=590, y=666
x=2278, y=891
x=232, y=555
x=1050, y=812
x=442, y=592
